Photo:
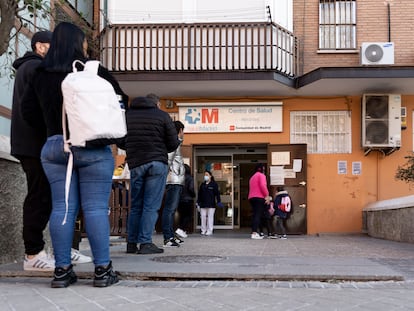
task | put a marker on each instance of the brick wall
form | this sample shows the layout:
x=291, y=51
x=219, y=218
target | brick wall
x=372, y=26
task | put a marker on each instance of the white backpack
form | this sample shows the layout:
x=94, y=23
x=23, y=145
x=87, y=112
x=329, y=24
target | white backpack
x=92, y=107
x=93, y=111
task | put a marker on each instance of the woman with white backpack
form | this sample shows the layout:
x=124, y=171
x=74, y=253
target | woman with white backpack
x=93, y=167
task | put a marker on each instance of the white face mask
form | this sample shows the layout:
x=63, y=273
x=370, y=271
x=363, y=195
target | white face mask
x=206, y=178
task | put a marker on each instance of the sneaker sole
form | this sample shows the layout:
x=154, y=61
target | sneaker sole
x=105, y=283
x=39, y=269
x=181, y=235
x=81, y=261
x=150, y=252
x=63, y=284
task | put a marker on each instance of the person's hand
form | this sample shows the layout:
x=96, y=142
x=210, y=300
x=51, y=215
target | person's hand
x=268, y=199
x=220, y=205
x=198, y=207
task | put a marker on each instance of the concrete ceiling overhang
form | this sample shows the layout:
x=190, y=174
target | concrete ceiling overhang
x=326, y=81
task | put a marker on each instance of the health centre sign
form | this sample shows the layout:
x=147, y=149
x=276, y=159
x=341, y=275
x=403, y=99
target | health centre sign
x=231, y=117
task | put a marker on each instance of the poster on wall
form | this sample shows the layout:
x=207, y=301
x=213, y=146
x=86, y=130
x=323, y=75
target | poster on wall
x=280, y=158
x=225, y=117
x=277, y=175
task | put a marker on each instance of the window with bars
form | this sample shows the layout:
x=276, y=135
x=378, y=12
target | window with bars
x=322, y=131
x=337, y=24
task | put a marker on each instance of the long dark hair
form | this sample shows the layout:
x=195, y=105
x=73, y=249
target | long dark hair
x=211, y=175
x=66, y=46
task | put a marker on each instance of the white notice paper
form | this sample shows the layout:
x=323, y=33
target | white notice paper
x=277, y=175
x=297, y=165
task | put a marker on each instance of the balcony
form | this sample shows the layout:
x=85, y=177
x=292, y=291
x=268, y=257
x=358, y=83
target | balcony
x=201, y=47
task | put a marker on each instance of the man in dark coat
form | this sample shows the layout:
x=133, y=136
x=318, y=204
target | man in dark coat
x=26, y=144
x=151, y=136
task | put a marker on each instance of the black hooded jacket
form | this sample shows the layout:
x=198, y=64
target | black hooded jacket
x=25, y=139
x=151, y=133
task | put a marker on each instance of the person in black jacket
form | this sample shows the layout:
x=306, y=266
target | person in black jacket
x=26, y=143
x=151, y=135
x=208, y=198
x=91, y=179
x=186, y=205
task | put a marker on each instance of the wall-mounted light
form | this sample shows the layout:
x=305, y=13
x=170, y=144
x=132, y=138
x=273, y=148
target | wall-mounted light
x=169, y=104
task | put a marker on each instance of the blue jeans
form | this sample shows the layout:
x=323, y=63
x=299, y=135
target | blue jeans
x=147, y=190
x=172, y=198
x=90, y=188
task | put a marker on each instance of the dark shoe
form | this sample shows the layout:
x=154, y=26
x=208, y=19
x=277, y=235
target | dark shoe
x=149, y=248
x=177, y=239
x=105, y=276
x=131, y=248
x=64, y=277
x=171, y=243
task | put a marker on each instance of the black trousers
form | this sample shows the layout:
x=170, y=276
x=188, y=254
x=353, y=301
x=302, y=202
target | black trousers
x=258, y=206
x=185, y=210
x=281, y=222
x=37, y=205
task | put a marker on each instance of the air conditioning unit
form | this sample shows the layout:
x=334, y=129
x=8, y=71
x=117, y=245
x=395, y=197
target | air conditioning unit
x=381, y=120
x=377, y=53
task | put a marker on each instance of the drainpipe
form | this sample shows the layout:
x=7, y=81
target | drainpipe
x=389, y=21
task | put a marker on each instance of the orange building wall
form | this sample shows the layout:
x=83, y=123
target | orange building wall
x=335, y=202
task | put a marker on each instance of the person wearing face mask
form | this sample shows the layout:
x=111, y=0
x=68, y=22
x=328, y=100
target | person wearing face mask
x=208, y=198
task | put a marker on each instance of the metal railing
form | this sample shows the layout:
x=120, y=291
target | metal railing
x=199, y=47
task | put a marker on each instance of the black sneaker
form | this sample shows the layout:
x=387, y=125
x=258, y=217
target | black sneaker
x=105, y=276
x=171, y=243
x=177, y=239
x=63, y=277
x=149, y=248
x=131, y=248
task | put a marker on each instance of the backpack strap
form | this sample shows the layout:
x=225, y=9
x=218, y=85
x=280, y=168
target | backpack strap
x=66, y=148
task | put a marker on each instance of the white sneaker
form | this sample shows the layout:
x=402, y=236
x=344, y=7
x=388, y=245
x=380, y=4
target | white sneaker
x=40, y=262
x=256, y=236
x=181, y=233
x=78, y=257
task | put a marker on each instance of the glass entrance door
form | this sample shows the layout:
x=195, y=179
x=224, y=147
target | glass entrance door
x=221, y=168
x=231, y=167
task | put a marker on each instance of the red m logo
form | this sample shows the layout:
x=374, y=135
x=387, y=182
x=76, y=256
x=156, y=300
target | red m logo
x=209, y=116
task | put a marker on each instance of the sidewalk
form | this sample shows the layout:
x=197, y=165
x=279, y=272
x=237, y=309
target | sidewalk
x=234, y=256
